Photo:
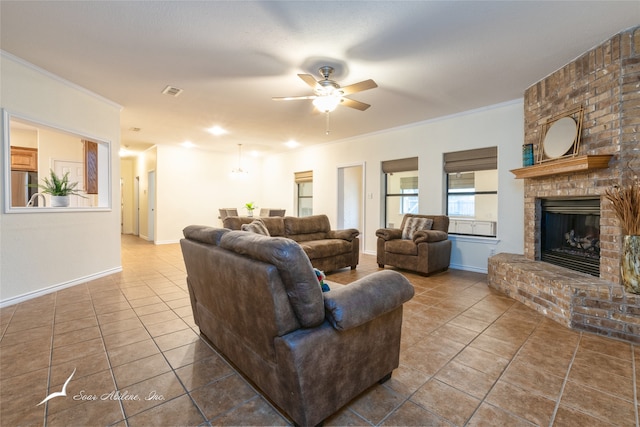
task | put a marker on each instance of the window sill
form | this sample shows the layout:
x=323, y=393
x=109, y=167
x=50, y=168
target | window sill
x=474, y=239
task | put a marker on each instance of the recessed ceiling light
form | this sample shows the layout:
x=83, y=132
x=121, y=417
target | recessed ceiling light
x=216, y=130
x=188, y=144
x=292, y=143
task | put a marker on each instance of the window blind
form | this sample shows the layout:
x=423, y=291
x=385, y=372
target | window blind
x=462, y=181
x=409, y=183
x=471, y=160
x=306, y=176
x=400, y=165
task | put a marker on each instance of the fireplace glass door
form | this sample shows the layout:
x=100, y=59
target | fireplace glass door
x=570, y=234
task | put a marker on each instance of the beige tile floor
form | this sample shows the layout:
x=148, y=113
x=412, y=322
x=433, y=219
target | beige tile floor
x=469, y=357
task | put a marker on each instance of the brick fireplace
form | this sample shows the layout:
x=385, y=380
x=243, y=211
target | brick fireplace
x=605, y=82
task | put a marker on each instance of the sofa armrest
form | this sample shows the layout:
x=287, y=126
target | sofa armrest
x=204, y=234
x=389, y=233
x=365, y=299
x=429, y=236
x=346, y=234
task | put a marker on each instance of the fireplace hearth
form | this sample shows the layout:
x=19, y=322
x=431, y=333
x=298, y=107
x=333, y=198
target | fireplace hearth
x=570, y=233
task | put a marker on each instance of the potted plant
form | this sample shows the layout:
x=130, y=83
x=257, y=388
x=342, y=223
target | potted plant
x=625, y=200
x=250, y=207
x=59, y=189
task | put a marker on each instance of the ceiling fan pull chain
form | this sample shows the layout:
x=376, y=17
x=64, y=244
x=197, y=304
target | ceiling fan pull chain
x=327, y=131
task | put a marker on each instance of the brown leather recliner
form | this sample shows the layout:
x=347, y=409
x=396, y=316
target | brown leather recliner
x=258, y=300
x=426, y=252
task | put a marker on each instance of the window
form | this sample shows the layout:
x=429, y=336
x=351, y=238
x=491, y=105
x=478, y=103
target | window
x=472, y=191
x=401, y=189
x=461, y=194
x=37, y=149
x=304, y=198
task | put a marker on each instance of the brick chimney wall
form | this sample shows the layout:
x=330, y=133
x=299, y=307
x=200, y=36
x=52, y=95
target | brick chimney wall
x=605, y=81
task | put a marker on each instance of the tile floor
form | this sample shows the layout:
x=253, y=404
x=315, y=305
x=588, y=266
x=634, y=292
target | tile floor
x=469, y=357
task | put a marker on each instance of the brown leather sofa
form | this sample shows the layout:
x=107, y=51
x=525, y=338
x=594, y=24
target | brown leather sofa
x=258, y=301
x=327, y=249
x=425, y=252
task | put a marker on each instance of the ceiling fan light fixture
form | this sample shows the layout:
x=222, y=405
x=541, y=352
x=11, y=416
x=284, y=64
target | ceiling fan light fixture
x=326, y=103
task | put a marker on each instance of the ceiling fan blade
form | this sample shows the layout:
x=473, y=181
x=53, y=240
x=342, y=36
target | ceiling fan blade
x=292, y=98
x=358, y=87
x=346, y=102
x=309, y=79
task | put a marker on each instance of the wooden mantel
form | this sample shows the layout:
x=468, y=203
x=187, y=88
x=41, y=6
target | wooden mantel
x=564, y=166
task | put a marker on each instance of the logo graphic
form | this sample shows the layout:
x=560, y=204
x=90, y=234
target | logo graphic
x=59, y=393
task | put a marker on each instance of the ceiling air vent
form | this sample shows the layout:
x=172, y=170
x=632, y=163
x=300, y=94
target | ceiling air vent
x=173, y=91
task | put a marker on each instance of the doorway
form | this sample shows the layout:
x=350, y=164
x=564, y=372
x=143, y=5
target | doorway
x=151, y=206
x=351, y=198
x=136, y=206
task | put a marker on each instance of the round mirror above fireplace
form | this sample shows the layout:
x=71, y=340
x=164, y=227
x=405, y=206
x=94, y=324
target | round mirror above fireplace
x=560, y=137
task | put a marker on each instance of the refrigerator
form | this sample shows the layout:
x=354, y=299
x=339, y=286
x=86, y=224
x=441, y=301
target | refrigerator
x=21, y=190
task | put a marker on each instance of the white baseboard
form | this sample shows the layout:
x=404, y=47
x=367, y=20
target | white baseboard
x=468, y=268
x=58, y=287
x=165, y=242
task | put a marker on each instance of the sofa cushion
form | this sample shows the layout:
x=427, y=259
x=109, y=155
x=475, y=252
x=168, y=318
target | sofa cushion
x=401, y=246
x=204, y=234
x=316, y=226
x=316, y=249
x=294, y=267
x=413, y=224
x=256, y=226
x=275, y=225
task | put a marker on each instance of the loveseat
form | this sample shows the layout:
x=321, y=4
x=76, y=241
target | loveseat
x=421, y=244
x=327, y=249
x=258, y=300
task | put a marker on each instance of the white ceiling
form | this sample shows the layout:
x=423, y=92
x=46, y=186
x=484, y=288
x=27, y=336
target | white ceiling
x=429, y=58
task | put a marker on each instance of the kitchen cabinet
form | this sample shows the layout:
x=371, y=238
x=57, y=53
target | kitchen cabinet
x=24, y=159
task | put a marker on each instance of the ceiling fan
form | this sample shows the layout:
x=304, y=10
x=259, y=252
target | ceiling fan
x=329, y=94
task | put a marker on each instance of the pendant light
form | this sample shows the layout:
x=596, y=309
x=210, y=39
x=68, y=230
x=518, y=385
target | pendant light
x=239, y=171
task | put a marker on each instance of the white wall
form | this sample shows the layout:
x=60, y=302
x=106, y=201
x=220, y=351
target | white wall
x=42, y=252
x=350, y=197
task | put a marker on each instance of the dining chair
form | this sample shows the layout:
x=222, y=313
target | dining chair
x=225, y=212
